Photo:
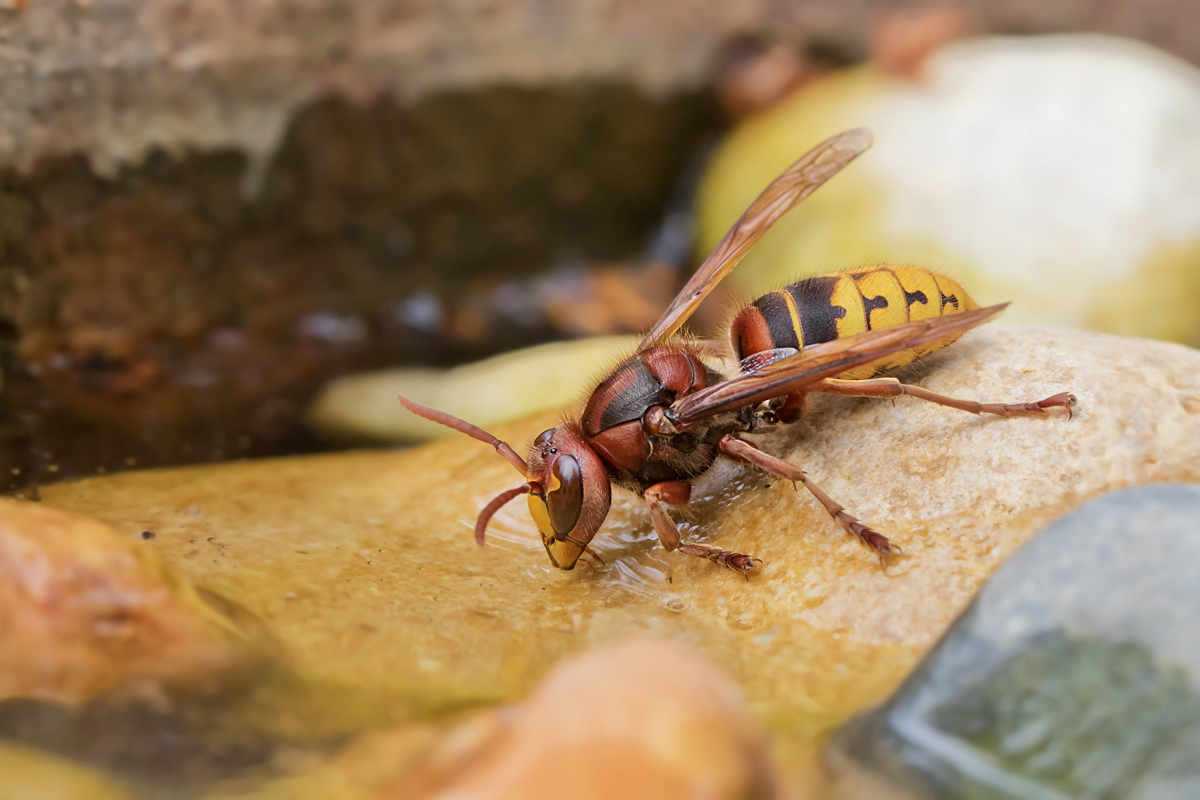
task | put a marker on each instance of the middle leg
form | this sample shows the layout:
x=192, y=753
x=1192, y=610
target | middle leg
x=749, y=454
x=677, y=493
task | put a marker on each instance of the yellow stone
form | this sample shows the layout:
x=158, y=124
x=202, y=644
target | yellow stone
x=362, y=407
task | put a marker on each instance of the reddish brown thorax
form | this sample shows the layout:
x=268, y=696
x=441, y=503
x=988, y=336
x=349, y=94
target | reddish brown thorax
x=612, y=418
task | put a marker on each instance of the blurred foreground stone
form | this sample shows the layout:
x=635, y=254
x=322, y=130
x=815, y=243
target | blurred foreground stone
x=364, y=567
x=1075, y=673
x=26, y=774
x=85, y=610
x=641, y=719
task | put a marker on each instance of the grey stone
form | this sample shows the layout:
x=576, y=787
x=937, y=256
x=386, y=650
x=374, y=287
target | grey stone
x=1074, y=673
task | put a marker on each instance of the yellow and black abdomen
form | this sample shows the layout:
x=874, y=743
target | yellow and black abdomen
x=828, y=307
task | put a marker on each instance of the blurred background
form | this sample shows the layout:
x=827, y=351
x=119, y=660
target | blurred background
x=211, y=209
x=235, y=228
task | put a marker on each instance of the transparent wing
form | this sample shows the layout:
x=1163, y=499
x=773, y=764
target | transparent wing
x=820, y=361
x=801, y=179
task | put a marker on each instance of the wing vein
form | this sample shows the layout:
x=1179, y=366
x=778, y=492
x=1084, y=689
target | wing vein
x=820, y=361
x=800, y=180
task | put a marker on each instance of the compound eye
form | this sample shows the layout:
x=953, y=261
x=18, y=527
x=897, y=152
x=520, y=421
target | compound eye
x=564, y=500
x=543, y=437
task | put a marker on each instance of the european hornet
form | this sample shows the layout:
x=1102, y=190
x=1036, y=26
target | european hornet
x=664, y=415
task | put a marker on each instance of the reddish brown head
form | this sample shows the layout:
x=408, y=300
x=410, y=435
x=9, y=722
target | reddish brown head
x=568, y=487
x=573, y=494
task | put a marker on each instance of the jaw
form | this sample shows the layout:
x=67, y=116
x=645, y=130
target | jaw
x=563, y=553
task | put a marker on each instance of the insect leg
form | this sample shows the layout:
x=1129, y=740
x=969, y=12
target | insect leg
x=748, y=453
x=890, y=387
x=677, y=493
x=792, y=407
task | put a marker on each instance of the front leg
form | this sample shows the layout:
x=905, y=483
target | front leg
x=745, y=452
x=678, y=493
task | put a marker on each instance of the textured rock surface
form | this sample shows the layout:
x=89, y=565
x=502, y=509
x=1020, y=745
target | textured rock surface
x=363, y=564
x=87, y=610
x=1075, y=672
x=222, y=74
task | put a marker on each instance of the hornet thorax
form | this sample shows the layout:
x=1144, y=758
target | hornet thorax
x=613, y=419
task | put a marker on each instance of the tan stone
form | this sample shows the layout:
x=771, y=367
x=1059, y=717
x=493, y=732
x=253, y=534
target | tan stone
x=363, y=564
x=85, y=610
x=639, y=719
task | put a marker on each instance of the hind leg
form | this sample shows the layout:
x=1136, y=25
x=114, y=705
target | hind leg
x=792, y=407
x=890, y=387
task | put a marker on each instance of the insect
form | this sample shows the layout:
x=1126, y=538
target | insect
x=663, y=416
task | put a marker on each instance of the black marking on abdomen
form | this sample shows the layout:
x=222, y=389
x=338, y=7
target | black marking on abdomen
x=818, y=314
x=774, y=310
x=949, y=299
x=915, y=297
x=870, y=304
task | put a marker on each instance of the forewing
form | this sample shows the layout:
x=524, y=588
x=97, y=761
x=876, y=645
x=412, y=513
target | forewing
x=801, y=179
x=822, y=361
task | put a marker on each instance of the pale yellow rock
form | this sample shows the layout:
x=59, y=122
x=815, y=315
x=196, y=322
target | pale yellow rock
x=507, y=386
x=28, y=774
x=363, y=564
x=86, y=610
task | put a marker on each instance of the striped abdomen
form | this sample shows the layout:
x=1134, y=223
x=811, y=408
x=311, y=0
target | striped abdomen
x=828, y=307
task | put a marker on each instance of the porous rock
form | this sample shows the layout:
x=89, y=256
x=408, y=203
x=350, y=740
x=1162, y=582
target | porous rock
x=85, y=610
x=363, y=564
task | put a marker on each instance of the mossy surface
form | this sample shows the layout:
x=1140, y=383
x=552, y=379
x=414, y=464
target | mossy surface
x=1085, y=717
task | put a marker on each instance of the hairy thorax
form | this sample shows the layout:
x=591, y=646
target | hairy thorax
x=613, y=419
